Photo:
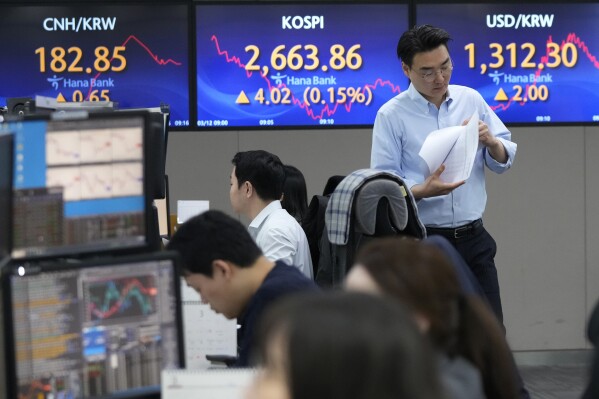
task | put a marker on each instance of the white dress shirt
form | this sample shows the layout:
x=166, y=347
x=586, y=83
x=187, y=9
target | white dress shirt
x=280, y=237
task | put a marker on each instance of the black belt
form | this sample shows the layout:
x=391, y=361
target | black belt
x=466, y=230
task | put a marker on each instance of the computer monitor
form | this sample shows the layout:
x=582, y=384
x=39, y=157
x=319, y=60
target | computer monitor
x=158, y=130
x=81, y=184
x=6, y=152
x=91, y=329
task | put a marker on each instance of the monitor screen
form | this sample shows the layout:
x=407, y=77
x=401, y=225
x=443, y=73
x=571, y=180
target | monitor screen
x=157, y=136
x=532, y=63
x=93, y=329
x=303, y=65
x=6, y=164
x=133, y=54
x=80, y=185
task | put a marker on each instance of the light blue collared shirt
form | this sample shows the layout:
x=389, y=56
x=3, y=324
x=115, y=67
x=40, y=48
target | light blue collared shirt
x=400, y=128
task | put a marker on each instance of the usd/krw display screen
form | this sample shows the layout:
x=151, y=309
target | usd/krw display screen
x=134, y=55
x=301, y=65
x=531, y=62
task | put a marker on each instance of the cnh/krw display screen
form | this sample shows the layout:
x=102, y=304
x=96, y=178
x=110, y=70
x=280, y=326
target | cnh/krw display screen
x=133, y=55
x=296, y=65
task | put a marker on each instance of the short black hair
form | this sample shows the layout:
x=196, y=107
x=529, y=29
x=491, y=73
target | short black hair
x=420, y=39
x=263, y=169
x=210, y=236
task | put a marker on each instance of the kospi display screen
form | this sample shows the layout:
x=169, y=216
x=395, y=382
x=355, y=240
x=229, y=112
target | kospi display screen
x=531, y=62
x=134, y=55
x=300, y=65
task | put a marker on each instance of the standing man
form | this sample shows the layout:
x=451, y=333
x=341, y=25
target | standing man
x=453, y=210
x=257, y=181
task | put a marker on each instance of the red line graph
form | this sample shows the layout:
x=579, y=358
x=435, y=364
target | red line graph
x=570, y=38
x=134, y=283
x=326, y=110
x=159, y=61
x=155, y=57
x=34, y=387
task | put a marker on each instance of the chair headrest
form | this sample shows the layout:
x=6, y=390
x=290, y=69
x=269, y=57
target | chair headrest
x=367, y=202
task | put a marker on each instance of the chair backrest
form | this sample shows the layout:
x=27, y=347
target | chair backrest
x=313, y=225
x=368, y=203
x=380, y=208
x=313, y=222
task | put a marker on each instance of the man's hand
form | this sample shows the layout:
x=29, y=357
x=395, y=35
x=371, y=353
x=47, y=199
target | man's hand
x=494, y=146
x=485, y=137
x=433, y=186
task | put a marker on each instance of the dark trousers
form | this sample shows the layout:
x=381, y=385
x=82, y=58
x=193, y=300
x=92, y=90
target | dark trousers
x=479, y=252
x=478, y=249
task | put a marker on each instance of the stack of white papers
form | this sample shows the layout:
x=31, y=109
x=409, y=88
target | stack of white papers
x=455, y=147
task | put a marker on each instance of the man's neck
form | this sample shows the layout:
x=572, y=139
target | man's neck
x=255, y=207
x=254, y=275
x=436, y=101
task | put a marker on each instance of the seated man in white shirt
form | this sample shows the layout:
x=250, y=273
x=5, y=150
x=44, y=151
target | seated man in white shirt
x=257, y=182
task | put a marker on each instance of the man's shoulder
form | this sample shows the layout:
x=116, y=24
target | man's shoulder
x=394, y=103
x=464, y=92
x=283, y=217
x=280, y=281
x=284, y=278
x=280, y=222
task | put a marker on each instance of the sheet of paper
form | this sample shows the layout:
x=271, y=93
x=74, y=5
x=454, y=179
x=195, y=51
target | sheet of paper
x=206, y=333
x=187, y=209
x=163, y=217
x=207, y=384
x=188, y=294
x=455, y=147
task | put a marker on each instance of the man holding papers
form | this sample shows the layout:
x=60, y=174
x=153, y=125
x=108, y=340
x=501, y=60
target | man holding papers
x=445, y=174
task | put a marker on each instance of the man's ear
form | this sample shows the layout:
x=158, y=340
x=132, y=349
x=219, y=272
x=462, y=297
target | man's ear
x=222, y=268
x=406, y=69
x=248, y=189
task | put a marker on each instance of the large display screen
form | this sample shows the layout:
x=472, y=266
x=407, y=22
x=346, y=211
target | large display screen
x=134, y=55
x=300, y=65
x=531, y=62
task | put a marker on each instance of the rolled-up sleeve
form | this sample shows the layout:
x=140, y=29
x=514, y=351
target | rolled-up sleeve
x=501, y=132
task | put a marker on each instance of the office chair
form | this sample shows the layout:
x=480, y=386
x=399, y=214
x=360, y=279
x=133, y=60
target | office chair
x=367, y=204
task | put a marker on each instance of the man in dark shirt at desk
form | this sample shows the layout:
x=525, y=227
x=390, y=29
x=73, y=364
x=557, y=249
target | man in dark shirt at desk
x=224, y=265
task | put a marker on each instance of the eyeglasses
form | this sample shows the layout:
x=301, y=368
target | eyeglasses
x=430, y=76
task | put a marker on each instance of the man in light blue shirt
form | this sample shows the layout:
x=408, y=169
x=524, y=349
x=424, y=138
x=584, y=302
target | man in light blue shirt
x=453, y=210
